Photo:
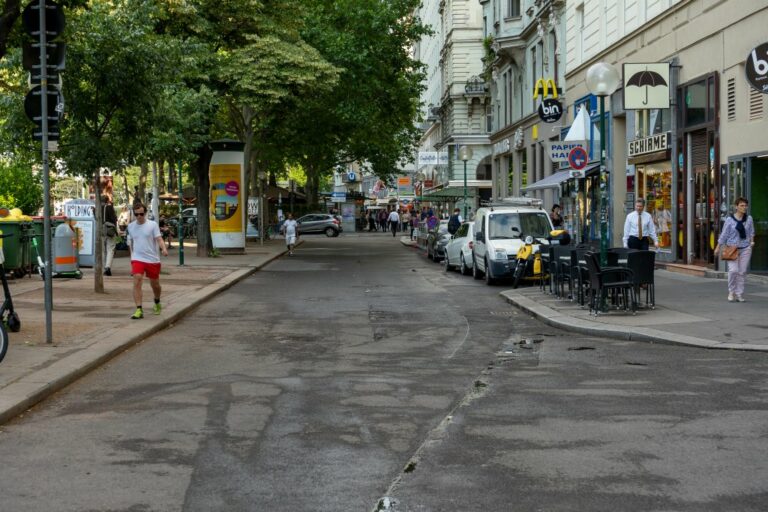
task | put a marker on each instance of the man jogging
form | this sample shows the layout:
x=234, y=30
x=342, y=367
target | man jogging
x=144, y=240
x=289, y=229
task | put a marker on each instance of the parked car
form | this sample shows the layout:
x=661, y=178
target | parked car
x=437, y=239
x=458, y=252
x=319, y=223
x=499, y=234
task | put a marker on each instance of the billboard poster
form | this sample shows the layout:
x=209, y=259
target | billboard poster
x=226, y=213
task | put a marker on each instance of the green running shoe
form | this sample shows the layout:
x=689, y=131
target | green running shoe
x=157, y=309
x=139, y=313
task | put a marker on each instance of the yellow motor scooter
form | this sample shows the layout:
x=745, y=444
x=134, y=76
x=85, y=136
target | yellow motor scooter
x=529, y=264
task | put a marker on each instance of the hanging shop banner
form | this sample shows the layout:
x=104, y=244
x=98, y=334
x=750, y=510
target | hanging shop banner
x=404, y=186
x=227, y=201
x=646, y=86
x=756, y=68
x=550, y=109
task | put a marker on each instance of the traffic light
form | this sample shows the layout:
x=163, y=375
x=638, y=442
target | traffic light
x=44, y=59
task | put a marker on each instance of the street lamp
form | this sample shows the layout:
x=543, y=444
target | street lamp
x=465, y=153
x=602, y=80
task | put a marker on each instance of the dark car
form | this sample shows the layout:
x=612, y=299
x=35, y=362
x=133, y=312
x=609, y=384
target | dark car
x=437, y=239
x=319, y=223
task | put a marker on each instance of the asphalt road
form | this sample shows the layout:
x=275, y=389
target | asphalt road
x=358, y=375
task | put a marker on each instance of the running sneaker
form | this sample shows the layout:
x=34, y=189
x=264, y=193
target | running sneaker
x=139, y=313
x=157, y=309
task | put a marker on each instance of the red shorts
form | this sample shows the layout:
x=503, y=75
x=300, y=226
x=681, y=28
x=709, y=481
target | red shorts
x=151, y=270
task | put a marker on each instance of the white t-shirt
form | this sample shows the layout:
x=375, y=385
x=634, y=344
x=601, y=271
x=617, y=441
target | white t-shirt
x=143, y=241
x=290, y=227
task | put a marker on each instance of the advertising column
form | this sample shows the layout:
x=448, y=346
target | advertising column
x=227, y=198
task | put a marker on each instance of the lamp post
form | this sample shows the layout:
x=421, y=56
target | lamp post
x=465, y=153
x=602, y=80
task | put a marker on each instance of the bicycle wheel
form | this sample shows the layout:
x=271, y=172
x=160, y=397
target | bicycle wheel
x=3, y=341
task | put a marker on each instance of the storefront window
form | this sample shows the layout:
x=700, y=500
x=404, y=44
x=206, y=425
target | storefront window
x=654, y=184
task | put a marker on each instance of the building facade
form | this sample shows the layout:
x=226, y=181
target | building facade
x=455, y=105
x=689, y=161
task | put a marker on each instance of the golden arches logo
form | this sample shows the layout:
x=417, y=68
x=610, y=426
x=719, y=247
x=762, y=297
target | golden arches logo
x=543, y=86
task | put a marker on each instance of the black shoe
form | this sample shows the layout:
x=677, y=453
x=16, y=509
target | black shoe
x=107, y=272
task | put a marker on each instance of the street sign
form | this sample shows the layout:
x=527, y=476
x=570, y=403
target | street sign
x=578, y=158
x=54, y=19
x=339, y=197
x=33, y=108
x=559, y=150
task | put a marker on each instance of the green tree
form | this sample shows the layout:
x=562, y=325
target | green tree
x=20, y=186
x=117, y=66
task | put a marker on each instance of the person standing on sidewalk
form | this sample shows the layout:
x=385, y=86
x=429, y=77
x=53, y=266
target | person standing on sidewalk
x=290, y=231
x=738, y=230
x=394, y=221
x=144, y=242
x=109, y=232
x=639, y=227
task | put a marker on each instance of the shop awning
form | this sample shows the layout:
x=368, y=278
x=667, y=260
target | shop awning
x=552, y=181
x=449, y=194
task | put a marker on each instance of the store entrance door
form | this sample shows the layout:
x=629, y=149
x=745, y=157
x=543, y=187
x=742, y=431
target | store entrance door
x=704, y=186
x=758, y=208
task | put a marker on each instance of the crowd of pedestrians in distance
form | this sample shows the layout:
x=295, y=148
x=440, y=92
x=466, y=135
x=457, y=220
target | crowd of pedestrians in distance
x=393, y=220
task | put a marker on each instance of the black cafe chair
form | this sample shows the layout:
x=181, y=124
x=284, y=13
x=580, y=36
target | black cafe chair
x=562, y=260
x=616, y=282
x=642, y=264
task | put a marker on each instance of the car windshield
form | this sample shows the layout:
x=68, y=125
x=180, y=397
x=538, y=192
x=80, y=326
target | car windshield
x=515, y=225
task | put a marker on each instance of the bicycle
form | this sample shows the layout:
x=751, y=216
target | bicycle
x=8, y=317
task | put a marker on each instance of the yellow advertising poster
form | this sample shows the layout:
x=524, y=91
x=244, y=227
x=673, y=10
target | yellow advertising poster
x=226, y=189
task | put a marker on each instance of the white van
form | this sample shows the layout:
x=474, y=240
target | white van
x=499, y=233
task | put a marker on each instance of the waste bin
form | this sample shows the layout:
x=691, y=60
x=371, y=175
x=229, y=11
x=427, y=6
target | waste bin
x=16, y=247
x=65, y=254
x=38, y=227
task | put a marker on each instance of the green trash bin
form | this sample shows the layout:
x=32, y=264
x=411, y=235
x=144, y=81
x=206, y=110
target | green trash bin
x=14, y=246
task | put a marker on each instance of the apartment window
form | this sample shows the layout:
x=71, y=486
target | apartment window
x=489, y=118
x=511, y=97
x=580, y=32
x=513, y=8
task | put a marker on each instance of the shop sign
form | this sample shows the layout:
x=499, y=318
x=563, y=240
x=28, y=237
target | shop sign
x=501, y=147
x=559, y=150
x=756, y=68
x=550, y=109
x=646, y=86
x=433, y=158
x=658, y=142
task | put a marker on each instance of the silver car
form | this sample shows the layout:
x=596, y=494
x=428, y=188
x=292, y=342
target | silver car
x=319, y=223
x=458, y=252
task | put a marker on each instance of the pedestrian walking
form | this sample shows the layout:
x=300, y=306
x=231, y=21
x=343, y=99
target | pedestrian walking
x=383, y=220
x=108, y=233
x=638, y=228
x=394, y=221
x=145, y=244
x=738, y=231
x=557, y=219
x=454, y=222
x=291, y=231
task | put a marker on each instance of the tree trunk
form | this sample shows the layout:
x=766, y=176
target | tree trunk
x=203, y=201
x=127, y=193
x=98, y=253
x=142, y=192
x=172, y=179
x=161, y=176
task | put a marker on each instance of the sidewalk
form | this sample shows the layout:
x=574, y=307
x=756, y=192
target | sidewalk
x=90, y=328
x=689, y=311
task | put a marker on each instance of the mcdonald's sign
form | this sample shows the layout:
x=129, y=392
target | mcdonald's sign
x=550, y=109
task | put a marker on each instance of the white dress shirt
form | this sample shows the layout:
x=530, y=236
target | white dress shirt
x=630, y=227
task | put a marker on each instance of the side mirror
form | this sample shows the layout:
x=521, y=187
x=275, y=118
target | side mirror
x=480, y=236
x=515, y=229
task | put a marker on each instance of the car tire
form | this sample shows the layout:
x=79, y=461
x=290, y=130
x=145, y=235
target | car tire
x=476, y=274
x=447, y=263
x=330, y=232
x=489, y=280
x=465, y=270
